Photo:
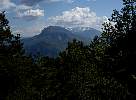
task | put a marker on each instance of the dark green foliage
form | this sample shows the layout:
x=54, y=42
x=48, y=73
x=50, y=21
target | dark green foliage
x=120, y=54
x=10, y=47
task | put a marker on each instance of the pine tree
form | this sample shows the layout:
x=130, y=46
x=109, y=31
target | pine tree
x=10, y=48
x=120, y=55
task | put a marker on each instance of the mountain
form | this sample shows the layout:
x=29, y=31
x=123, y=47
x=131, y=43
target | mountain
x=54, y=39
x=86, y=32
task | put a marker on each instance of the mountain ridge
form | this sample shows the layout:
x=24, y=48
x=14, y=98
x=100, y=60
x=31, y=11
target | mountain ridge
x=54, y=39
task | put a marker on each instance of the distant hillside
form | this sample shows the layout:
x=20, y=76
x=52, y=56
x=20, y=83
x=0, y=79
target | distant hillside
x=86, y=32
x=54, y=39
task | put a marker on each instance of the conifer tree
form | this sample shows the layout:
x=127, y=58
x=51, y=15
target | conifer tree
x=120, y=55
x=10, y=47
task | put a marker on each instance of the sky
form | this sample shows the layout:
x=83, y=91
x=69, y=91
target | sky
x=29, y=17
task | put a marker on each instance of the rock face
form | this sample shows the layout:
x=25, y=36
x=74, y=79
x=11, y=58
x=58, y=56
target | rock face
x=54, y=39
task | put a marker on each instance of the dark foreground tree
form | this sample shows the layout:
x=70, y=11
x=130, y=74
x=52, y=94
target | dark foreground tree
x=88, y=82
x=120, y=55
x=10, y=47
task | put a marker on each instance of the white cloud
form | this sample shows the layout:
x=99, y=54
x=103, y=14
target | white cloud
x=30, y=14
x=78, y=17
x=6, y=4
x=22, y=7
x=22, y=11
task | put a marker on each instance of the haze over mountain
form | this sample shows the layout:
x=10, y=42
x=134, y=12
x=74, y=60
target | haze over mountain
x=54, y=39
x=85, y=32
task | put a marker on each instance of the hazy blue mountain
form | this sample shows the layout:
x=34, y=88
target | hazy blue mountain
x=86, y=32
x=54, y=39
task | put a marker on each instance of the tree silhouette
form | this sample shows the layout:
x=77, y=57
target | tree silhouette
x=120, y=53
x=10, y=47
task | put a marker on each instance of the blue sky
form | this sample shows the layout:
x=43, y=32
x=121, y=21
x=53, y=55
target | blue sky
x=29, y=17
